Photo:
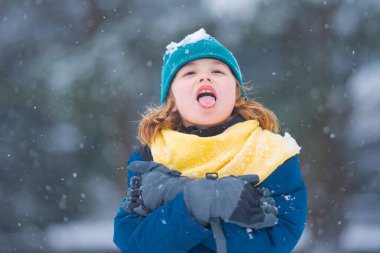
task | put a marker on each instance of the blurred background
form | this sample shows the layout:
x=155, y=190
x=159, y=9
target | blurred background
x=75, y=76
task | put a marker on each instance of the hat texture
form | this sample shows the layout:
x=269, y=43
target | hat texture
x=193, y=47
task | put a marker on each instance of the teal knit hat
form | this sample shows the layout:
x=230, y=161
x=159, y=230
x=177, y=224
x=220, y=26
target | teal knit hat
x=194, y=46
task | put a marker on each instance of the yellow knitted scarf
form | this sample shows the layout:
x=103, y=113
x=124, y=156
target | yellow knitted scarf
x=244, y=148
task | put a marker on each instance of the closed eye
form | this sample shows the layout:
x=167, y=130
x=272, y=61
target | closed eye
x=218, y=72
x=189, y=73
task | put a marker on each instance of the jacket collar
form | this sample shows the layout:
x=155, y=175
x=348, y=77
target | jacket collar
x=214, y=130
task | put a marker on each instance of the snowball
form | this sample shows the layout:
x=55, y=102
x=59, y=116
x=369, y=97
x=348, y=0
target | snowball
x=189, y=39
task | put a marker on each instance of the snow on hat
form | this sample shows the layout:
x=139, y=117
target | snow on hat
x=194, y=46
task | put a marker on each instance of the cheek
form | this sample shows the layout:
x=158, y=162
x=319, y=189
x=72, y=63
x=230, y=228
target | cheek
x=229, y=92
x=181, y=92
x=174, y=89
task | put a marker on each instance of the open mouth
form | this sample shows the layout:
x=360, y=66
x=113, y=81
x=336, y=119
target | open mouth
x=206, y=96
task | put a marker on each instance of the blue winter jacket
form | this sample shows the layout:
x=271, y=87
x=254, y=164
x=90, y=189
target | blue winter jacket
x=172, y=229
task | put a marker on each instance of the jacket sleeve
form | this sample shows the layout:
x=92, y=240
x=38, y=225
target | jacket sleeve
x=169, y=228
x=289, y=192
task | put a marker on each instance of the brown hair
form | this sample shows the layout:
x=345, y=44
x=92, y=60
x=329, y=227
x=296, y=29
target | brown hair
x=158, y=117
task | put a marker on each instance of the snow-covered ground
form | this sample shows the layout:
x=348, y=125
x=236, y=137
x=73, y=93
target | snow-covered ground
x=88, y=236
x=81, y=236
x=361, y=238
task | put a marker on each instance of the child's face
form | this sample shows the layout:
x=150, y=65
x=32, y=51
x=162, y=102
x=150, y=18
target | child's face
x=204, y=91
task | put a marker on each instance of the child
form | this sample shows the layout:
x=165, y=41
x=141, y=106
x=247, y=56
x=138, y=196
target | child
x=213, y=174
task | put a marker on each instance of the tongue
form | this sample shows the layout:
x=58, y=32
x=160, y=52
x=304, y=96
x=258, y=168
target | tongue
x=207, y=101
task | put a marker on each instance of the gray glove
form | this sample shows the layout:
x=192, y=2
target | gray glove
x=133, y=202
x=154, y=186
x=232, y=199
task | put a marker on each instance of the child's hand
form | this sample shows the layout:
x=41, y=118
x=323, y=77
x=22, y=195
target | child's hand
x=158, y=185
x=233, y=199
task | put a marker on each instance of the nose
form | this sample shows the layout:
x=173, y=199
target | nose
x=204, y=77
